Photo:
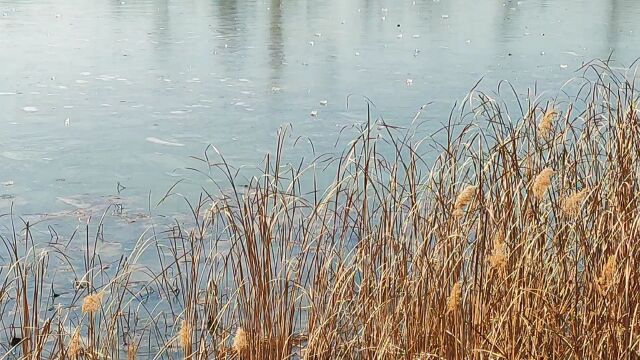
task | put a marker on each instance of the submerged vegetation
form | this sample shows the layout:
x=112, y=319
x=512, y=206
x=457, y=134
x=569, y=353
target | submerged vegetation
x=512, y=233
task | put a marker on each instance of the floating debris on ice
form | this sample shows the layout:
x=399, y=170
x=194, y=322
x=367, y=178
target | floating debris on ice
x=7, y=183
x=563, y=66
x=415, y=36
x=243, y=80
x=162, y=142
x=30, y=109
x=445, y=16
x=311, y=43
x=409, y=82
x=323, y=102
x=67, y=122
x=357, y=53
x=314, y=113
x=81, y=81
x=399, y=36
x=318, y=34
x=275, y=89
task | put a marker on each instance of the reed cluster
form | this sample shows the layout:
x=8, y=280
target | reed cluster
x=511, y=233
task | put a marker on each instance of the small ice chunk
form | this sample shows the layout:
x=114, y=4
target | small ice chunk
x=67, y=122
x=314, y=113
x=162, y=142
x=445, y=16
x=275, y=89
x=415, y=36
x=318, y=34
x=30, y=109
x=399, y=36
x=563, y=66
x=323, y=102
x=7, y=183
x=409, y=82
x=311, y=43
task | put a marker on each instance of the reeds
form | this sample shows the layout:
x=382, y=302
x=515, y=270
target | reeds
x=397, y=258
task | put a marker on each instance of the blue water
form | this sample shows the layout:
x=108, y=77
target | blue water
x=100, y=93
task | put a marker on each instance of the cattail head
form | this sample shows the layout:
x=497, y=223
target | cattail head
x=542, y=182
x=455, y=297
x=572, y=204
x=463, y=199
x=185, y=335
x=607, y=276
x=75, y=349
x=92, y=303
x=240, y=341
x=546, y=123
x=498, y=258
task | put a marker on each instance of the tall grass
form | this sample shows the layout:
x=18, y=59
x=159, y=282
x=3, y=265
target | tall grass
x=511, y=233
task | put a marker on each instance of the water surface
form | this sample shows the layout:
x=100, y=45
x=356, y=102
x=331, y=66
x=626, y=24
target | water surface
x=100, y=93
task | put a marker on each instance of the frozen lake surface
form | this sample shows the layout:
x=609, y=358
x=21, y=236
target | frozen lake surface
x=102, y=96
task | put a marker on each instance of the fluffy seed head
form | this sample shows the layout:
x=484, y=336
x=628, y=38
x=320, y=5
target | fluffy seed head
x=607, y=276
x=240, y=340
x=455, y=297
x=185, y=334
x=463, y=199
x=546, y=124
x=572, y=204
x=498, y=258
x=542, y=182
x=92, y=303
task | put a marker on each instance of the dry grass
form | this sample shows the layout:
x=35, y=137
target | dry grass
x=399, y=258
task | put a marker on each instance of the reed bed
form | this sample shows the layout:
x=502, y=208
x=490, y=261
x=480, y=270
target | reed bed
x=511, y=233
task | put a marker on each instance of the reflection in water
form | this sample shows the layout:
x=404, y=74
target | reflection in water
x=276, y=42
x=161, y=32
x=98, y=63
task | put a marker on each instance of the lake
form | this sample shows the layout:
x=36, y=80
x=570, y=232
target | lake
x=106, y=100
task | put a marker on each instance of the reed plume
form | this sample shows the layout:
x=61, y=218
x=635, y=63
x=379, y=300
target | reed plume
x=546, y=123
x=573, y=203
x=464, y=198
x=240, y=341
x=542, y=182
x=455, y=297
x=92, y=303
